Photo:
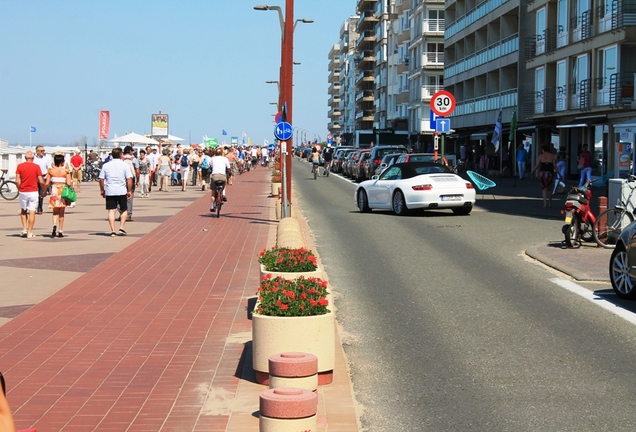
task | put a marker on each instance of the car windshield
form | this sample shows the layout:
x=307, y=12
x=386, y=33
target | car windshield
x=432, y=169
x=391, y=173
x=384, y=152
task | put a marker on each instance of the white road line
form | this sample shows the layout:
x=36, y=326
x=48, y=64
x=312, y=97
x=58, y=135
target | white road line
x=597, y=300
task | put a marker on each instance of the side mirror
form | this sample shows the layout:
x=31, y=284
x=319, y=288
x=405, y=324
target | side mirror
x=383, y=165
x=375, y=177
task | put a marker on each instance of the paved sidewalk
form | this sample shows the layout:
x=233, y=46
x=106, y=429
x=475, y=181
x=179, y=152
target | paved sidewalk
x=146, y=332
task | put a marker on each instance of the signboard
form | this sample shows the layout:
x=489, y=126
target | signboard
x=159, y=125
x=271, y=147
x=443, y=103
x=104, y=124
x=278, y=118
x=432, y=117
x=283, y=131
x=442, y=125
x=234, y=140
x=211, y=143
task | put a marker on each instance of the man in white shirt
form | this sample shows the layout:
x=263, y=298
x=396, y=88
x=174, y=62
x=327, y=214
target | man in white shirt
x=115, y=185
x=43, y=162
x=151, y=155
x=219, y=165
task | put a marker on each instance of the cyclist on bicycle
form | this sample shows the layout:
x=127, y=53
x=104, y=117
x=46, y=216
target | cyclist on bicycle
x=327, y=157
x=219, y=168
x=315, y=159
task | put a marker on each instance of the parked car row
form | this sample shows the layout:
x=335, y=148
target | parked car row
x=362, y=164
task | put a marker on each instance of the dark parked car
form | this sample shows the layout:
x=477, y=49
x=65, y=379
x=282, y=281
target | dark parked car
x=349, y=161
x=375, y=159
x=386, y=162
x=338, y=158
x=416, y=157
x=357, y=170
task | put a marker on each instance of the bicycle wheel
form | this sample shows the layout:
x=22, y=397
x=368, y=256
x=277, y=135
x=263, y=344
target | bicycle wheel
x=609, y=225
x=9, y=190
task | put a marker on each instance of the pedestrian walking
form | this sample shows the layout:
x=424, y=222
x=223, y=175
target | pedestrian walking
x=77, y=165
x=144, y=174
x=57, y=178
x=184, y=163
x=43, y=162
x=28, y=178
x=546, y=166
x=164, y=170
x=522, y=155
x=585, y=165
x=115, y=184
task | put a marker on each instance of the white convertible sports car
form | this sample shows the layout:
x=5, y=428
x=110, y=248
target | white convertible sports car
x=416, y=185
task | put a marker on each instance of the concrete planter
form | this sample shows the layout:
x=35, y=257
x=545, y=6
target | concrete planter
x=275, y=187
x=275, y=335
x=293, y=275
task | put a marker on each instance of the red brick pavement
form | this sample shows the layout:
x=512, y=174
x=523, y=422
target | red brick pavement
x=140, y=342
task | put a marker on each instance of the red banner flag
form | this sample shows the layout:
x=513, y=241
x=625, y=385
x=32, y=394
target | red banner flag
x=104, y=124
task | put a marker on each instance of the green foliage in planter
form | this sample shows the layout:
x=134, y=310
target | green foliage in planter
x=288, y=260
x=292, y=298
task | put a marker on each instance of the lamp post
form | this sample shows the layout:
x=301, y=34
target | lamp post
x=287, y=26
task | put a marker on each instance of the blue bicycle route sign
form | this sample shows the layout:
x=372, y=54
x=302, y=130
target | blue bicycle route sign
x=283, y=131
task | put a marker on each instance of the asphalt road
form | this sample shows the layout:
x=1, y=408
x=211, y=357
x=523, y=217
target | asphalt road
x=448, y=327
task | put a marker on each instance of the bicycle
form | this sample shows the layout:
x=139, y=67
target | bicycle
x=326, y=169
x=218, y=197
x=610, y=222
x=8, y=188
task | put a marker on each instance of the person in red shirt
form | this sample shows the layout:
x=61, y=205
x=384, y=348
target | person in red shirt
x=28, y=176
x=78, y=164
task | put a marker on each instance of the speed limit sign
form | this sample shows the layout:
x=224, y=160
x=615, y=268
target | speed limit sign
x=443, y=103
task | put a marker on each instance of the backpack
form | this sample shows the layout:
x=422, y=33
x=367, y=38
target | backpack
x=206, y=163
x=184, y=161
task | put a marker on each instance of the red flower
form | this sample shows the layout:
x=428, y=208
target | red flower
x=323, y=302
x=284, y=307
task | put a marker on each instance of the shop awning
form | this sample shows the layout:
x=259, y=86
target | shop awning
x=581, y=122
x=479, y=136
x=624, y=126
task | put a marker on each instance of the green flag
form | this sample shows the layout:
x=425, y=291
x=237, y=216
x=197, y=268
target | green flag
x=513, y=126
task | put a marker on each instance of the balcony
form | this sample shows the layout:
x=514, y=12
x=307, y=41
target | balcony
x=365, y=59
x=365, y=96
x=433, y=27
x=334, y=76
x=433, y=59
x=365, y=4
x=365, y=115
x=429, y=90
x=366, y=75
x=334, y=113
x=366, y=17
x=365, y=40
x=334, y=101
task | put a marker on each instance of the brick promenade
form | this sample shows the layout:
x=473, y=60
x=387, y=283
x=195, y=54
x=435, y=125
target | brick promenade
x=147, y=332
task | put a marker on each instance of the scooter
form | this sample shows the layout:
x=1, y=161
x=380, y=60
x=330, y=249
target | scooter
x=579, y=219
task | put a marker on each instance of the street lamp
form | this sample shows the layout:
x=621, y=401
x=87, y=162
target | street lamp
x=287, y=26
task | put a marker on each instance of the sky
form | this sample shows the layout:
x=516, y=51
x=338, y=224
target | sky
x=202, y=62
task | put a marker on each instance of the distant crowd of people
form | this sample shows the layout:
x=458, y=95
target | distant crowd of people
x=122, y=174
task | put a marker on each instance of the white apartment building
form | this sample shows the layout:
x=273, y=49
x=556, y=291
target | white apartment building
x=398, y=38
x=334, y=90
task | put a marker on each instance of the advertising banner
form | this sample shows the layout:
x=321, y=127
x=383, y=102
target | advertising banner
x=104, y=124
x=159, y=125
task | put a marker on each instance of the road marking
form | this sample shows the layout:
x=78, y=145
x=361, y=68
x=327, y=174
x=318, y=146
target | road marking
x=596, y=299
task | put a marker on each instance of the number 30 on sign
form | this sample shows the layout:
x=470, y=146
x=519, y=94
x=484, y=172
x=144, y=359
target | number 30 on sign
x=443, y=103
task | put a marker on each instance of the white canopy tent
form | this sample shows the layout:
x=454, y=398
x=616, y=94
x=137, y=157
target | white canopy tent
x=134, y=138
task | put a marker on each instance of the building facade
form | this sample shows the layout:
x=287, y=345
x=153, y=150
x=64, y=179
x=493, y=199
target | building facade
x=581, y=57
x=334, y=112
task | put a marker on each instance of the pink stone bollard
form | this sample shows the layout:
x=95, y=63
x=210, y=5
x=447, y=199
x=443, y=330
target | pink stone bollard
x=293, y=369
x=288, y=410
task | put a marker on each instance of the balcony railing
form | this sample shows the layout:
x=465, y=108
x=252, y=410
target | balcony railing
x=368, y=15
x=504, y=99
x=365, y=74
x=366, y=95
x=492, y=52
x=472, y=16
x=429, y=90
x=431, y=59
x=432, y=27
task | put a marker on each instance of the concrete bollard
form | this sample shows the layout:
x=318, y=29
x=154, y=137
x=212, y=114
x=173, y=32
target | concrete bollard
x=293, y=369
x=288, y=410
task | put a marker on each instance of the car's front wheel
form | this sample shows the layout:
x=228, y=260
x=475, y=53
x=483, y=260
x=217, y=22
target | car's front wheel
x=363, y=202
x=622, y=282
x=399, y=204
